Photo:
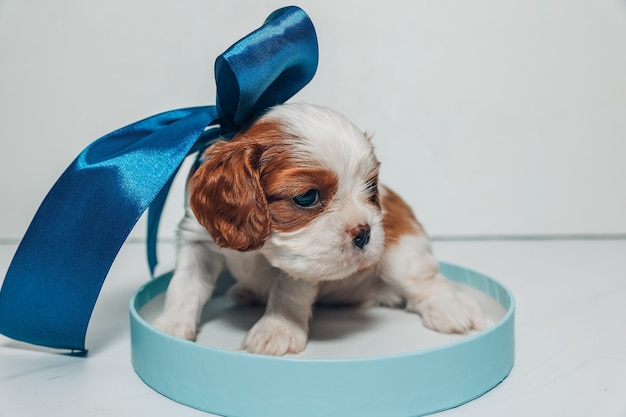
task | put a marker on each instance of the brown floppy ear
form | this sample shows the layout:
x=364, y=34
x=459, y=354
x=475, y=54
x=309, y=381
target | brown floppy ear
x=226, y=196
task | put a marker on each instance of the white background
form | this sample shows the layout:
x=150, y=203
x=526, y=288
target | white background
x=491, y=117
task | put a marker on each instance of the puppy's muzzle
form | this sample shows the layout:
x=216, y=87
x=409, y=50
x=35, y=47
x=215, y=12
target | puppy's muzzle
x=360, y=235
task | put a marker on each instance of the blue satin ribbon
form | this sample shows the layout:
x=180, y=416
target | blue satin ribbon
x=58, y=270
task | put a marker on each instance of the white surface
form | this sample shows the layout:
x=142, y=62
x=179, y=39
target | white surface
x=335, y=333
x=491, y=117
x=570, y=338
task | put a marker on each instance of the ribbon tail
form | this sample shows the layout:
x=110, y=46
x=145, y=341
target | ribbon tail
x=154, y=217
x=58, y=270
x=155, y=210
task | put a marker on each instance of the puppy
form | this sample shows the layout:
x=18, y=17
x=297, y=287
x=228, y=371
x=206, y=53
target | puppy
x=293, y=208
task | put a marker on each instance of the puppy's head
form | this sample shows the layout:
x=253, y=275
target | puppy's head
x=301, y=185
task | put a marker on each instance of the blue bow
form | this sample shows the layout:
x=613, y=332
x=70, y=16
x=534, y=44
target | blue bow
x=60, y=265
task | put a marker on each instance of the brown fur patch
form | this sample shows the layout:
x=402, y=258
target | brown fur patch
x=226, y=194
x=227, y=199
x=398, y=218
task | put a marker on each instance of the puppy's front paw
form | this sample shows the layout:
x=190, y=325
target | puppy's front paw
x=180, y=327
x=450, y=312
x=275, y=336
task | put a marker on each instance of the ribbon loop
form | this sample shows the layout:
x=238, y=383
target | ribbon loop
x=265, y=68
x=60, y=265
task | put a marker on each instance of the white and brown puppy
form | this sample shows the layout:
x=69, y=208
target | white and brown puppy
x=293, y=208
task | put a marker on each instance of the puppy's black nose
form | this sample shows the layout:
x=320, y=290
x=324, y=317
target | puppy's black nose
x=360, y=235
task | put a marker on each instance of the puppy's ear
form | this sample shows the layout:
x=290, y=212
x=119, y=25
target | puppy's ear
x=227, y=199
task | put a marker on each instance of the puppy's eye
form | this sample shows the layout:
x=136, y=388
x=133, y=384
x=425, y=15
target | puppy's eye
x=308, y=199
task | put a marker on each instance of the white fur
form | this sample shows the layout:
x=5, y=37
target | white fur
x=318, y=262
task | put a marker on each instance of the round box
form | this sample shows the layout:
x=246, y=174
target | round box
x=329, y=381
